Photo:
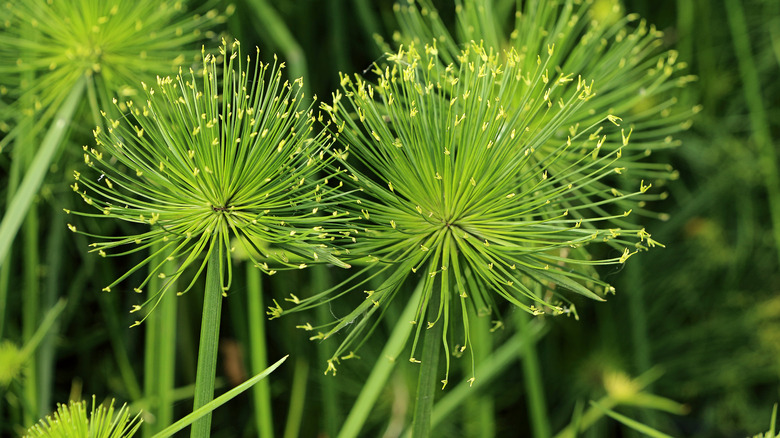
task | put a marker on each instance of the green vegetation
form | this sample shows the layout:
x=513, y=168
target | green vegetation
x=396, y=218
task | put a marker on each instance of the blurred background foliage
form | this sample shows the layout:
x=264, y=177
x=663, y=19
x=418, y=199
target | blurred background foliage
x=702, y=315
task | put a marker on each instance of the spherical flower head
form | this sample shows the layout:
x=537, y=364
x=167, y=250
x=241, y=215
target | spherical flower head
x=47, y=46
x=225, y=154
x=453, y=185
x=71, y=420
x=619, y=53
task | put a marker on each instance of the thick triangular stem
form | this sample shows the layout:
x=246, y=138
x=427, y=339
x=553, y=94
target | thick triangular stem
x=209, y=342
x=428, y=381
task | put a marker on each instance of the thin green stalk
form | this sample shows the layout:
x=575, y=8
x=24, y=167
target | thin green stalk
x=273, y=23
x=14, y=177
x=297, y=399
x=640, y=343
x=160, y=357
x=31, y=289
x=478, y=412
x=338, y=35
x=487, y=371
x=168, y=330
x=52, y=289
x=258, y=355
x=332, y=415
x=537, y=406
x=759, y=122
x=368, y=21
x=23, y=198
x=45, y=327
x=151, y=353
x=429, y=371
x=117, y=336
x=382, y=369
x=209, y=340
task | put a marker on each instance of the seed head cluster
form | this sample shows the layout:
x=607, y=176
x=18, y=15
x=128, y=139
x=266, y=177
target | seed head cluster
x=495, y=171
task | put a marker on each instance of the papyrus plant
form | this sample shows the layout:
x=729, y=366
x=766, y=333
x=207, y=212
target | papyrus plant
x=47, y=47
x=223, y=156
x=450, y=170
x=54, y=55
x=621, y=54
x=205, y=159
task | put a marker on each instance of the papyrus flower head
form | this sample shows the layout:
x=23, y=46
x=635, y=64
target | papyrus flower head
x=225, y=154
x=631, y=72
x=450, y=167
x=46, y=46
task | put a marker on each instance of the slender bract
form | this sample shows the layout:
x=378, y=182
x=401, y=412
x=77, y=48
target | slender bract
x=225, y=152
x=451, y=171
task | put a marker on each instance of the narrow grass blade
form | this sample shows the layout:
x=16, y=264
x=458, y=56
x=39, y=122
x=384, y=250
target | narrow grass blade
x=633, y=424
x=23, y=198
x=217, y=402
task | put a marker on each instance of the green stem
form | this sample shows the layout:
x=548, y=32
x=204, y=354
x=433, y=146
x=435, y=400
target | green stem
x=297, y=399
x=31, y=288
x=167, y=310
x=258, y=355
x=533, y=382
x=23, y=198
x=478, y=410
x=160, y=356
x=332, y=415
x=14, y=177
x=53, y=281
x=209, y=340
x=758, y=118
x=281, y=35
x=368, y=21
x=429, y=369
x=375, y=383
x=486, y=372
